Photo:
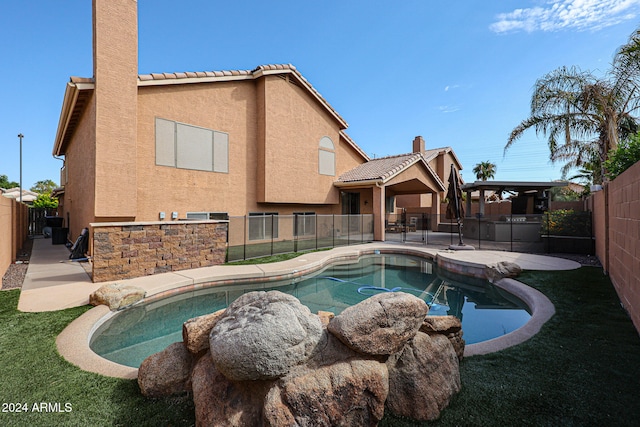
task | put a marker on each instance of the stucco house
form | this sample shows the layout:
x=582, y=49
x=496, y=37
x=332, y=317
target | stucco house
x=219, y=143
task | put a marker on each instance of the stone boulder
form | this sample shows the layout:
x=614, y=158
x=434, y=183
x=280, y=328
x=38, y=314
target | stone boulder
x=423, y=377
x=381, y=324
x=262, y=335
x=166, y=373
x=116, y=296
x=220, y=402
x=503, y=269
x=195, y=332
x=347, y=393
x=325, y=317
x=450, y=327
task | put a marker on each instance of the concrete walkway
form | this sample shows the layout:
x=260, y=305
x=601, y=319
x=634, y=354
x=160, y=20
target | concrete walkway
x=53, y=282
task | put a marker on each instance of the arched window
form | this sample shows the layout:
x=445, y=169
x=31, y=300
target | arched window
x=326, y=157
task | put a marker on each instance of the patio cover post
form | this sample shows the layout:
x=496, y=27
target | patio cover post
x=379, y=212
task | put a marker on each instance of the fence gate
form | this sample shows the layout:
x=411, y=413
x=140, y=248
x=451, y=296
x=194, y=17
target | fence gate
x=37, y=219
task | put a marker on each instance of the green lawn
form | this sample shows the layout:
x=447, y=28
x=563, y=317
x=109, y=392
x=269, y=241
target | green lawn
x=583, y=368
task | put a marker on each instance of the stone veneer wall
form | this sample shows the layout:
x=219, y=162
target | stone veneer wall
x=135, y=249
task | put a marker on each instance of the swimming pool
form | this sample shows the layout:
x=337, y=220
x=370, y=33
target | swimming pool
x=486, y=311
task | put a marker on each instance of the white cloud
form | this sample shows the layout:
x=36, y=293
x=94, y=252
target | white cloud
x=449, y=87
x=556, y=15
x=448, y=108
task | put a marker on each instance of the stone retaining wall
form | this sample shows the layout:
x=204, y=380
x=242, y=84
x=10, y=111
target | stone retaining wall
x=134, y=249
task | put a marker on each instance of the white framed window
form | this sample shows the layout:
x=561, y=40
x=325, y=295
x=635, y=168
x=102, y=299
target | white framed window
x=326, y=157
x=263, y=225
x=304, y=223
x=184, y=146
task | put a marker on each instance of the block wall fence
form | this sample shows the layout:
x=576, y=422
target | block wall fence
x=135, y=249
x=616, y=213
x=14, y=217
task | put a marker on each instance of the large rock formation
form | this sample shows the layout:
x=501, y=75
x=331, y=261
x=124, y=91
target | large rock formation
x=271, y=362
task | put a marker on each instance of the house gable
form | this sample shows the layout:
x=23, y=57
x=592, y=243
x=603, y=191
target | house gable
x=297, y=133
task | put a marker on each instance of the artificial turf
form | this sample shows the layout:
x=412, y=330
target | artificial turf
x=582, y=369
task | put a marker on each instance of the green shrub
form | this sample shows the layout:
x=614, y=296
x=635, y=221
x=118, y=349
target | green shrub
x=623, y=157
x=567, y=222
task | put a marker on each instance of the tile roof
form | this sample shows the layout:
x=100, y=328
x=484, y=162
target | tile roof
x=381, y=168
x=259, y=71
x=83, y=86
x=384, y=168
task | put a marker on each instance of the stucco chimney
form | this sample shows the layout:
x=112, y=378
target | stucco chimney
x=418, y=144
x=115, y=72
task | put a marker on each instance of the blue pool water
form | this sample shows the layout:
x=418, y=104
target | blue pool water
x=485, y=310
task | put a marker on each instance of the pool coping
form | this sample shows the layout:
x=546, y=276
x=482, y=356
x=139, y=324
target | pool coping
x=73, y=341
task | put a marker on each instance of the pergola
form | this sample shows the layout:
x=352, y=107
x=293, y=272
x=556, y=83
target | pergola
x=520, y=187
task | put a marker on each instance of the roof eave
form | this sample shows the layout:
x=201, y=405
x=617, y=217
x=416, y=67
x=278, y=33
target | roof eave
x=69, y=101
x=419, y=159
x=355, y=146
x=363, y=183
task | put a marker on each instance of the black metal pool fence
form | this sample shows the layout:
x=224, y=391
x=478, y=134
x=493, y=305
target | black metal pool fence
x=255, y=236
x=560, y=231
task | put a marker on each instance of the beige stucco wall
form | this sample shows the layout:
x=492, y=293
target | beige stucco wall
x=115, y=65
x=294, y=124
x=78, y=203
x=278, y=174
x=226, y=107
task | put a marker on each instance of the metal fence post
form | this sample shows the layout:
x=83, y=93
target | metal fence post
x=244, y=238
x=295, y=233
x=511, y=231
x=333, y=230
x=548, y=232
x=479, y=216
x=272, y=234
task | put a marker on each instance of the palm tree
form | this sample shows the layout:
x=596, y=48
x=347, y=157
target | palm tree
x=581, y=114
x=485, y=170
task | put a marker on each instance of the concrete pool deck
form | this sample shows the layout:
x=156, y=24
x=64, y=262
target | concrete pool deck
x=53, y=282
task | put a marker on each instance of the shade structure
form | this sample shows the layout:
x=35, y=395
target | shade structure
x=455, y=209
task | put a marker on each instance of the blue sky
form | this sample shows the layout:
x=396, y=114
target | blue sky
x=458, y=73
